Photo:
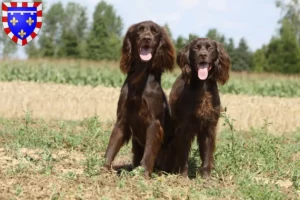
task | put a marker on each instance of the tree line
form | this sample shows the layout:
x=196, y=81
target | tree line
x=66, y=33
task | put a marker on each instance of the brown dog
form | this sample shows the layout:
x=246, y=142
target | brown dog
x=143, y=111
x=195, y=105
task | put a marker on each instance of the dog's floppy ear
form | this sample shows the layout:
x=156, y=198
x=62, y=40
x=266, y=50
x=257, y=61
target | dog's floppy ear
x=183, y=62
x=165, y=53
x=126, y=51
x=222, y=64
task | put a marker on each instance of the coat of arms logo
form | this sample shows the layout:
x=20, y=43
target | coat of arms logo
x=22, y=21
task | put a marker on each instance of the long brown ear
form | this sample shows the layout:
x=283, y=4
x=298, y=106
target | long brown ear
x=126, y=51
x=165, y=54
x=222, y=65
x=183, y=62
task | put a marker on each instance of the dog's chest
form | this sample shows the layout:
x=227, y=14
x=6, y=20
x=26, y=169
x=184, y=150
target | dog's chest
x=138, y=113
x=201, y=107
x=138, y=119
x=204, y=106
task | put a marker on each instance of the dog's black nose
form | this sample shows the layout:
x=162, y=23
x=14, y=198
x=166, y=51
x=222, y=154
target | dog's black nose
x=203, y=54
x=147, y=38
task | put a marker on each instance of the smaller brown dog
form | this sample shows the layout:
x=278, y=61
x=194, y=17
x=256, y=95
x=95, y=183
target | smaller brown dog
x=195, y=105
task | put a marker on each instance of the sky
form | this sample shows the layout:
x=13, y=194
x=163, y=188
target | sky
x=255, y=20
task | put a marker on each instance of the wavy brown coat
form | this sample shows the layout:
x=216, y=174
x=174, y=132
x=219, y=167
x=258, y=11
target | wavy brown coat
x=143, y=111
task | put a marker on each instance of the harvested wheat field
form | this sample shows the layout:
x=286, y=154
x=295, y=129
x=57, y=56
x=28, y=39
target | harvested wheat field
x=69, y=102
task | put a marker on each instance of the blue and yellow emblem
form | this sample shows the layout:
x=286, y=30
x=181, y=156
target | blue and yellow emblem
x=22, y=21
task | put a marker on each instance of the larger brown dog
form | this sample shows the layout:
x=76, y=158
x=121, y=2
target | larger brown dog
x=195, y=105
x=143, y=110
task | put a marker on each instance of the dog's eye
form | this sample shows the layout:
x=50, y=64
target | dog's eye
x=154, y=30
x=196, y=47
x=210, y=48
x=141, y=28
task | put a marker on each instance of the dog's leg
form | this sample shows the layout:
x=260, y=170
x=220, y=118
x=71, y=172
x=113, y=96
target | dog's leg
x=182, y=146
x=154, y=138
x=174, y=157
x=183, y=158
x=119, y=136
x=185, y=170
x=138, y=152
x=206, y=142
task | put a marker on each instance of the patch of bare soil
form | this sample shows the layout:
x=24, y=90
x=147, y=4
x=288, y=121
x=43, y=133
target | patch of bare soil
x=34, y=159
x=38, y=174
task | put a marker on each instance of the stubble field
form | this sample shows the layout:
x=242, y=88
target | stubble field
x=69, y=102
x=56, y=118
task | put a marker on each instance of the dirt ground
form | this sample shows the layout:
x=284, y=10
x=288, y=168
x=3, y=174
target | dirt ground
x=65, y=181
x=69, y=102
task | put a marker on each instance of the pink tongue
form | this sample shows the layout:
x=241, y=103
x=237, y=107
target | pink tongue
x=145, y=54
x=203, y=71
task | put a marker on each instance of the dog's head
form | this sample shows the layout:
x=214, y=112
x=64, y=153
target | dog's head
x=204, y=59
x=147, y=42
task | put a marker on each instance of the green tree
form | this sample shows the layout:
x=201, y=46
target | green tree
x=242, y=57
x=283, y=53
x=291, y=12
x=51, y=32
x=104, y=40
x=215, y=35
x=192, y=37
x=73, y=31
x=32, y=50
x=180, y=42
x=260, y=62
x=232, y=51
x=70, y=45
x=230, y=46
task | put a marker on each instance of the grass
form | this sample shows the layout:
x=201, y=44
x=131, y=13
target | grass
x=79, y=72
x=64, y=159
